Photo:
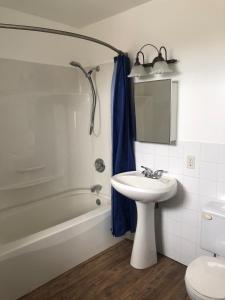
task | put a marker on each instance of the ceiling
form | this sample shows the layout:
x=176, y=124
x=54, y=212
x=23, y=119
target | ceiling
x=76, y=13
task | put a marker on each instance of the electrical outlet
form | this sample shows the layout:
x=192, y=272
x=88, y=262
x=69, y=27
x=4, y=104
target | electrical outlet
x=190, y=162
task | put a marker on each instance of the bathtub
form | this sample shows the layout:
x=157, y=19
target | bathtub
x=43, y=239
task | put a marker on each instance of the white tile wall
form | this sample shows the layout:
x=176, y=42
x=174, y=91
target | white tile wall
x=178, y=220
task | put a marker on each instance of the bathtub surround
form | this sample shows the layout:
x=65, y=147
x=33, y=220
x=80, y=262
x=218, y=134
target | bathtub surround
x=31, y=86
x=124, y=214
x=45, y=110
x=42, y=107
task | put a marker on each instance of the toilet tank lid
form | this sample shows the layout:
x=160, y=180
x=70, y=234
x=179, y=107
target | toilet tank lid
x=215, y=208
x=206, y=275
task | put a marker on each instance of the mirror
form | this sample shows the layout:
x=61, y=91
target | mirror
x=156, y=111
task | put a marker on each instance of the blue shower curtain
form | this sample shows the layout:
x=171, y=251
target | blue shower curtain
x=124, y=215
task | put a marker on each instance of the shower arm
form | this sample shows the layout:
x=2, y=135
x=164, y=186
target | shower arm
x=61, y=32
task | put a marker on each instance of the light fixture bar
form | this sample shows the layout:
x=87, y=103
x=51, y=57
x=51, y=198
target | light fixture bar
x=159, y=64
x=169, y=61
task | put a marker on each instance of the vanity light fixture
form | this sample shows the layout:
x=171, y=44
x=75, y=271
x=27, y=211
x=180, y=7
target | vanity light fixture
x=159, y=65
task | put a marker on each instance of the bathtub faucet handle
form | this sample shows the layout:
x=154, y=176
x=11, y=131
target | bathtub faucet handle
x=96, y=188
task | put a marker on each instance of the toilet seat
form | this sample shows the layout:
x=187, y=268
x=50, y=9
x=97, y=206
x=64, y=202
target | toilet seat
x=205, y=278
x=194, y=295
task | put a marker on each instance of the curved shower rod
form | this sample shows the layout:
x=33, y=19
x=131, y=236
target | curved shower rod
x=60, y=32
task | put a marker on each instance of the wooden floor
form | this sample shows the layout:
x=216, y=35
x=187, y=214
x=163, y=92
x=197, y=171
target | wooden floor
x=110, y=276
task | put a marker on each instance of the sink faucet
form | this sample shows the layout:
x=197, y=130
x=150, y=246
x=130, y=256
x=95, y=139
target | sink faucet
x=147, y=172
x=151, y=174
x=158, y=174
x=96, y=188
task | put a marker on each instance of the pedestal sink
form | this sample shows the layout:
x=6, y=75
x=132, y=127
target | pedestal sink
x=146, y=192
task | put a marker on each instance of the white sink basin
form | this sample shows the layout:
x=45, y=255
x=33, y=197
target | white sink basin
x=139, y=188
x=145, y=191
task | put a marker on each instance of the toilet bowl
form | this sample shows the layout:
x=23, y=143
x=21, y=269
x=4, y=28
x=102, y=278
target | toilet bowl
x=205, y=278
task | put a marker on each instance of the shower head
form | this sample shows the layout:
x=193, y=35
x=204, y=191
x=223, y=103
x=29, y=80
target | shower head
x=78, y=65
x=75, y=64
x=87, y=74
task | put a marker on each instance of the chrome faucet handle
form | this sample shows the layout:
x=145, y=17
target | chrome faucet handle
x=147, y=171
x=158, y=173
x=96, y=188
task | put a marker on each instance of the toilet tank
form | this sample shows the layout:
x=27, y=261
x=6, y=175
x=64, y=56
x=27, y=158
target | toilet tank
x=213, y=227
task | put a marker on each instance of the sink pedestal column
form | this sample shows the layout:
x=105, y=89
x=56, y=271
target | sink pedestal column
x=144, y=249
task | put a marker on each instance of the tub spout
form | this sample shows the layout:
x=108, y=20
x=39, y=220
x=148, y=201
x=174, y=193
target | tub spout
x=96, y=188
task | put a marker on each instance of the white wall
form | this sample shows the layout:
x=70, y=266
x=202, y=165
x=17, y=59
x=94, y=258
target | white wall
x=178, y=220
x=194, y=33
x=42, y=47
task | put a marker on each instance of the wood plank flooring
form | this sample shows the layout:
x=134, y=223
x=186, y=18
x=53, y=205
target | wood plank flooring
x=110, y=276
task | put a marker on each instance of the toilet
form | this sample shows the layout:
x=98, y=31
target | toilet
x=205, y=276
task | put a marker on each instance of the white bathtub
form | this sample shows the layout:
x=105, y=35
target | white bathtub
x=41, y=240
